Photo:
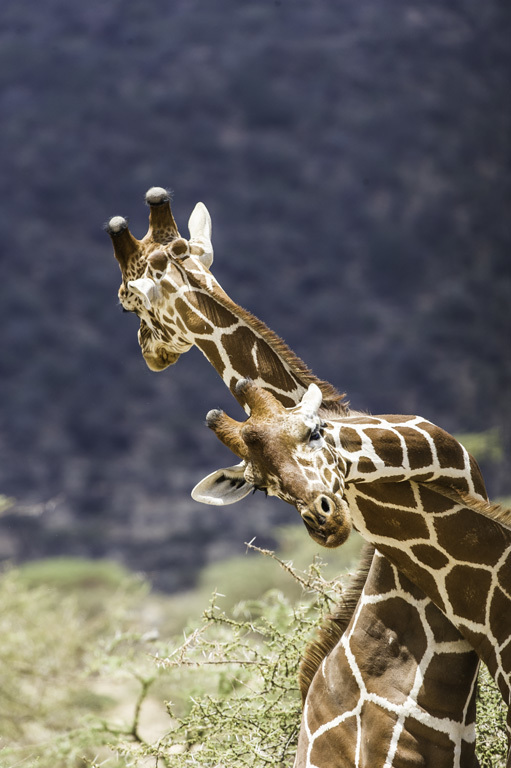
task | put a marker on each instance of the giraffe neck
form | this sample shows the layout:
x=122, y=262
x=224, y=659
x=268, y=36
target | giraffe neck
x=460, y=558
x=407, y=679
x=240, y=346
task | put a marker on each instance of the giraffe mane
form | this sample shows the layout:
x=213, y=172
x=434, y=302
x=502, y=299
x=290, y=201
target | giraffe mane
x=496, y=512
x=335, y=624
x=334, y=402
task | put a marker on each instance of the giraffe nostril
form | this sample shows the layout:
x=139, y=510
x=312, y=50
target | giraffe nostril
x=326, y=505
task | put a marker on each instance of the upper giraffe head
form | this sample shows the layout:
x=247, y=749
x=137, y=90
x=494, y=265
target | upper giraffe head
x=153, y=271
x=168, y=283
x=286, y=454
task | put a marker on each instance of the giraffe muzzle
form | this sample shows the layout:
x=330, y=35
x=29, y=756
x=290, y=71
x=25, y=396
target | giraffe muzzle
x=161, y=361
x=327, y=520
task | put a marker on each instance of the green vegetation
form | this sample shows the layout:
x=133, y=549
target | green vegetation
x=484, y=446
x=491, y=723
x=92, y=674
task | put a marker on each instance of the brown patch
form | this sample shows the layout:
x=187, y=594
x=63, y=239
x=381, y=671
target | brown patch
x=484, y=649
x=217, y=313
x=239, y=345
x=333, y=626
x=477, y=478
x=210, y=350
x=443, y=630
x=269, y=366
x=424, y=477
x=433, y=501
x=336, y=487
x=365, y=465
x=446, y=685
x=158, y=260
x=168, y=319
x=329, y=440
x=381, y=578
x=410, y=587
x=350, y=439
x=377, y=725
x=434, y=747
x=338, y=691
x=179, y=247
x=467, y=752
x=430, y=555
x=470, y=537
x=393, y=524
x=387, y=446
x=195, y=323
x=393, y=418
x=389, y=637
x=167, y=290
x=362, y=419
x=419, y=449
x=325, y=750
x=468, y=589
x=418, y=575
x=449, y=451
x=399, y=493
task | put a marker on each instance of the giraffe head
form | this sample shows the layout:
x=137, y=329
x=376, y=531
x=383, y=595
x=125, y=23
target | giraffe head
x=153, y=271
x=286, y=453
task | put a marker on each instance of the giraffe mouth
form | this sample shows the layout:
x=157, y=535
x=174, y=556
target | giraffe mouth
x=327, y=520
x=161, y=360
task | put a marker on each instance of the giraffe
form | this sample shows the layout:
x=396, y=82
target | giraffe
x=167, y=282
x=437, y=527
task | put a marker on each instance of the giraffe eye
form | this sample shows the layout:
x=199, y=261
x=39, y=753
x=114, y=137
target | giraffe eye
x=315, y=435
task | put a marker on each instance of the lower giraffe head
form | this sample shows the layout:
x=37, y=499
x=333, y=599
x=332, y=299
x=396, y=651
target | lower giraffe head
x=285, y=454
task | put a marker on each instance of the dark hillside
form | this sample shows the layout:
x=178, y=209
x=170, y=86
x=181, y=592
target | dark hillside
x=355, y=159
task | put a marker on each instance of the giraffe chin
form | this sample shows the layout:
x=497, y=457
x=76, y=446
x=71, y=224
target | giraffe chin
x=327, y=520
x=160, y=362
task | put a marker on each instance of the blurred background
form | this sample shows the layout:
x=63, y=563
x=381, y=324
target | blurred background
x=355, y=158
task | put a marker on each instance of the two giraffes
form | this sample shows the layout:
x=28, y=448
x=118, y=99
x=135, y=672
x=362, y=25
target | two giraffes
x=391, y=679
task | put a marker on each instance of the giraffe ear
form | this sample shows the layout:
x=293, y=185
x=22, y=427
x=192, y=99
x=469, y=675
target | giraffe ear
x=199, y=225
x=225, y=486
x=146, y=289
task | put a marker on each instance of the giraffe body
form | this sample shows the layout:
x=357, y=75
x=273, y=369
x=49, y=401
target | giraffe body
x=389, y=694
x=166, y=280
